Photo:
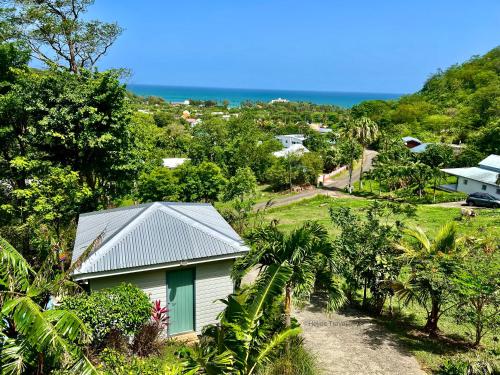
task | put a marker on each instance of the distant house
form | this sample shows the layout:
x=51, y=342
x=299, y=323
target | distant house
x=483, y=178
x=296, y=149
x=193, y=121
x=288, y=140
x=279, y=100
x=319, y=127
x=423, y=147
x=178, y=253
x=411, y=142
x=172, y=163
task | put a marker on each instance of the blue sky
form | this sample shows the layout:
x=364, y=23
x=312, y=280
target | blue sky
x=363, y=46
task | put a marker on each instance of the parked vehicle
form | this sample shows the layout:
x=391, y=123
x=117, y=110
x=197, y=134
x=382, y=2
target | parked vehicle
x=483, y=199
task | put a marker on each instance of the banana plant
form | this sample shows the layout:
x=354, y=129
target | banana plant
x=34, y=339
x=243, y=342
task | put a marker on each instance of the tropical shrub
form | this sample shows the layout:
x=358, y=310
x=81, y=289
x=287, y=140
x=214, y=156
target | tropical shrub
x=243, y=343
x=431, y=266
x=477, y=281
x=34, y=339
x=297, y=360
x=124, y=308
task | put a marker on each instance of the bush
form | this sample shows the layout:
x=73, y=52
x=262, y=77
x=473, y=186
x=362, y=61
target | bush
x=474, y=363
x=124, y=308
x=297, y=361
x=146, y=340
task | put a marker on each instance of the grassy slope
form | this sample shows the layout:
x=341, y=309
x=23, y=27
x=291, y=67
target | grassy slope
x=428, y=217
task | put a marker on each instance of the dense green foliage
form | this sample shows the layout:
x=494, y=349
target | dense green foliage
x=123, y=308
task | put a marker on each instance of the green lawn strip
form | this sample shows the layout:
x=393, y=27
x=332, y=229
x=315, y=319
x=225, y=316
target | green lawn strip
x=371, y=190
x=428, y=217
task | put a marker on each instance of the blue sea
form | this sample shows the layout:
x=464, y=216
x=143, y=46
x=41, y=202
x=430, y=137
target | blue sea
x=236, y=96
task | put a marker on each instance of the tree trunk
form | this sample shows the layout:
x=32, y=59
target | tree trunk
x=434, y=191
x=479, y=323
x=350, y=177
x=432, y=319
x=288, y=313
x=361, y=169
x=288, y=306
x=40, y=364
x=364, y=294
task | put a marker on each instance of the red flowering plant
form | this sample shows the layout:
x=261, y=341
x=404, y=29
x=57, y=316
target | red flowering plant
x=159, y=315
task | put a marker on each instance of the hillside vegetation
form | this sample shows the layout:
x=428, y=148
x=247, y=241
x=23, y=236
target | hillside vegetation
x=459, y=105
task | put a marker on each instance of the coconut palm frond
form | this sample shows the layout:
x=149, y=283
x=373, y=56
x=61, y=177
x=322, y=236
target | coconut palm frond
x=273, y=343
x=336, y=296
x=83, y=366
x=15, y=356
x=15, y=271
x=445, y=240
x=267, y=287
x=418, y=234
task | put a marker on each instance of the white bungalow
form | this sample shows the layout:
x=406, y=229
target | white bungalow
x=288, y=140
x=483, y=178
x=292, y=150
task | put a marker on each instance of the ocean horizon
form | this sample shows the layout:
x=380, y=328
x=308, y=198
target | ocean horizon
x=237, y=96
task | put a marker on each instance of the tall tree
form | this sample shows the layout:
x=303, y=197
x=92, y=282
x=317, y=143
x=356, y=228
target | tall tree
x=298, y=249
x=57, y=32
x=349, y=152
x=365, y=131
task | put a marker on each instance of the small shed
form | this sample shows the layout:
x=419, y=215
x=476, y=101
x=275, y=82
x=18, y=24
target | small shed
x=178, y=253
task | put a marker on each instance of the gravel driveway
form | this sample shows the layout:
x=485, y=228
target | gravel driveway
x=352, y=343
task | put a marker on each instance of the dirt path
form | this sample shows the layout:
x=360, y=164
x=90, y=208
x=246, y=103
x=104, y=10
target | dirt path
x=352, y=343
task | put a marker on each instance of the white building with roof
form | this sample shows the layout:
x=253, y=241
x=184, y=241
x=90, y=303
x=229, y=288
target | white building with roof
x=288, y=140
x=172, y=163
x=178, y=253
x=483, y=178
x=296, y=149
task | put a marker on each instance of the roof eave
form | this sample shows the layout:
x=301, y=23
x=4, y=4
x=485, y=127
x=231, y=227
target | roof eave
x=154, y=267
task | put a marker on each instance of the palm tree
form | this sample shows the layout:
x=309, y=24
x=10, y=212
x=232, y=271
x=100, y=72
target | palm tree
x=244, y=339
x=35, y=338
x=365, y=131
x=431, y=264
x=299, y=249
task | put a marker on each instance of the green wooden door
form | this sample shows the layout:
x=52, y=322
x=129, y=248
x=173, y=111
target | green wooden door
x=180, y=296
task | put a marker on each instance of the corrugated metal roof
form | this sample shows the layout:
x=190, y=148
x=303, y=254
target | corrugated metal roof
x=152, y=234
x=408, y=139
x=492, y=162
x=474, y=173
x=420, y=148
x=293, y=149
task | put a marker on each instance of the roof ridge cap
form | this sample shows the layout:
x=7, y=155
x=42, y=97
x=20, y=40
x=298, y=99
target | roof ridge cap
x=201, y=226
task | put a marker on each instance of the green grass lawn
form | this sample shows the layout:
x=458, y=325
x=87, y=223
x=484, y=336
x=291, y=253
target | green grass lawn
x=428, y=217
x=371, y=190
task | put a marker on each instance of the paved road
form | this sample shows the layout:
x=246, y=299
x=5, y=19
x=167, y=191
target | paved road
x=343, y=180
x=338, y=183
x=352, y=343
